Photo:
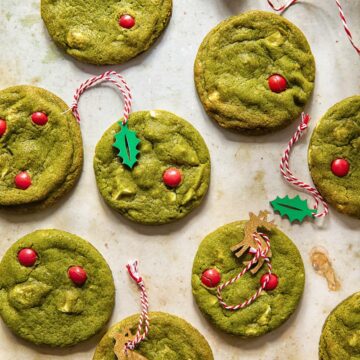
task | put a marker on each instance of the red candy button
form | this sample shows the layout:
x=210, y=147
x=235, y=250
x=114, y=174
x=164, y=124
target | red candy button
x=27, y=257
x=272, y=283
x=172, y=177
x=39, y=118
x=340, y=167
x=277, y=83
x=77, y=275
x=126, y=21
x=22, y=180
x=2, y=127
x=210, y=277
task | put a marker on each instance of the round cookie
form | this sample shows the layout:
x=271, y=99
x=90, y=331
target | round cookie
x=38, y=300
x=140, y=193
x=234, y=64
x=41, y=140
x=105, y=31
x=170, y=337
x=337, y=137
x=340, y=338
x=268, y=311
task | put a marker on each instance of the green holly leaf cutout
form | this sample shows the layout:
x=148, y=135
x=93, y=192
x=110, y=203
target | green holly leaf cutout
x=126, y=142
x=293, y=208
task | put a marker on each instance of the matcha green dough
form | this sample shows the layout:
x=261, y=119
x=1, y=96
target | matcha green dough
x=170, y=338
x=90, y=31
x=268, y=311
x=140, y=194
x=41, y=304
x=234, y=63
x=337, y=136
x=340, y=338
x=51, y=154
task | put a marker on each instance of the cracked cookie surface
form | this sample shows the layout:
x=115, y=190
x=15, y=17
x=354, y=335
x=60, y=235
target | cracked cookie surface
x=170, y=337
x=268, y=311
x=52, y=154
x=340, y=338
x=89, y=30
x=337, y=135
x=234, y=63
x=140, y=194
x=41, y=304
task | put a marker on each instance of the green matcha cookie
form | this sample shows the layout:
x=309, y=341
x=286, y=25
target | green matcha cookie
x=55, y=288
x=215, y=264
x=334, y=159
x=105, y=31
x=41, y=152
x=340, y=338
x=254, y=72
x=172, y=175
x=170, y=338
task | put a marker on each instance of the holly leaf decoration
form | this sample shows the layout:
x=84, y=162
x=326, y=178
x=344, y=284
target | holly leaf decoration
x=292, y=208
x=126, y=142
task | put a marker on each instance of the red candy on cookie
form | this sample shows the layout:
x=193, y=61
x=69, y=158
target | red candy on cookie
x=22, y=180
x=39, y=118
x=126, y=21
x=272, y=281
x=172, y=177
x=77, y=275
x=277, y=83
x=210, y=277
x=3, y=127
x=340, y=167
x=27, y=257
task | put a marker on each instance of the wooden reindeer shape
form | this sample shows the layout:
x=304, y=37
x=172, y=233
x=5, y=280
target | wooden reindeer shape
x=255, y=222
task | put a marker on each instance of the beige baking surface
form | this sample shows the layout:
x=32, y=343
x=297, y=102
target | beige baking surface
x=245, y=171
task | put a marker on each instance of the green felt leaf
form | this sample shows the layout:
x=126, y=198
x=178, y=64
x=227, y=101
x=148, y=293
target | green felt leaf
x=126, y=142
x=292, y=208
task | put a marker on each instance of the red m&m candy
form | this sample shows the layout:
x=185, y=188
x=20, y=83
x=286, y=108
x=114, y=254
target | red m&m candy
x=3, y=127
x=39, y=118
x=77, y=275
x=210, y=277
x=27, y=257
x=277, y=83
x=272, y=281
x=172, y=177
x=126, y=21
x=22, y=180
x=340, y=167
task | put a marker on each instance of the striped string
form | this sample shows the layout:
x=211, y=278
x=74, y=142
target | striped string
x=289, y=176
x=144, y=321
x=346, y=27
x=111, y=76
x=282, y=8
x=259, y=252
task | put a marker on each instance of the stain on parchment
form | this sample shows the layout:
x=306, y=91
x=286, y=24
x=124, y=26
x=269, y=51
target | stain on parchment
x=30, y=20
x=322, y=265
x=52, y=54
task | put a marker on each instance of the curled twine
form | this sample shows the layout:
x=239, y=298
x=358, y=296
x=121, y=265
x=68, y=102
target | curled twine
x=289, y=176
x=282, y=8
x=259, y=252
x=144, y=321
x=111, y=76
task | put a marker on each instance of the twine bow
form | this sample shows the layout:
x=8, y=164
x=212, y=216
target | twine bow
x=144, y=321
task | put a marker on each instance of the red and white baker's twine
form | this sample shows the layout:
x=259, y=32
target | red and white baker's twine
x=111, y=76
x=283, y=7
x=258, y=253
x=289, y=176
x=144, y=321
